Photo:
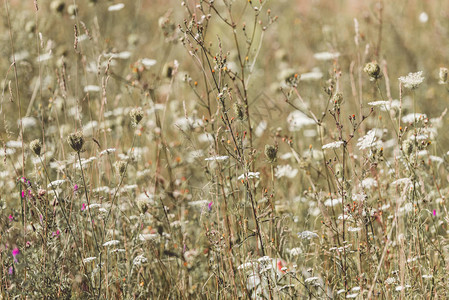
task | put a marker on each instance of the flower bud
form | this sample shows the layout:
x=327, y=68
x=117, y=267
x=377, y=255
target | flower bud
x=373, y=70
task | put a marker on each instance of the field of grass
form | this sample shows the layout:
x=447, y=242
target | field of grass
x=224, y=149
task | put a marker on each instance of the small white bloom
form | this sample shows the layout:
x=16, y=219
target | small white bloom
x=246, y=266
x=250, y=175
x=423, y=17
x=400, y=181
x=436, y=159
x=369, y=182
x=217, y=158
x=352, y=295
x=285, y=171
x=307, y=235
x=390, y=280
x=311, y=279
x=116, y=7
x=412, y=80
x=354, y=229
x=425, y=276
x=198, y=202
x=44, y=57
x=118, y=250
x=148, y=63
x=111, y=243
x=410, y=118
x=91, y=88
x=107, y=151
x=148, y=236
x=332, y=202
x=333, y=145
x=89, y=259
x=326, y=55
x=140, y=259
x=316, y=74
x=55, y=183
x=28, y=122
x=14, y=144
x=295, y=251
x=297, y=119
x=260, y=129
x=367, y=140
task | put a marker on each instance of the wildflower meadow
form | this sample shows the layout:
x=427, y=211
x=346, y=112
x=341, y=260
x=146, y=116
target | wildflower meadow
x=224, y=149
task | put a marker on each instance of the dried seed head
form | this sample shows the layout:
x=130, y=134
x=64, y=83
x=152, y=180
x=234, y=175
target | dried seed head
x=443, y=75
x=271, y=152
x=136, y=115
x=143, y=206
x=373, y=70
x=239, y=112
x=57, y=6
x=120, y=167
x=72, y=9
x=36, y=147
x=76, y=141
x=407, y=146
x=30, y=27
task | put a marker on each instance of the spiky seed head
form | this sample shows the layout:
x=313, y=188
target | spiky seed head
x=36, y=147
x=76, y=141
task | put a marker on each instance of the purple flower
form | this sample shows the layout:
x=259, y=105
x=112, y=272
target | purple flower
x=83, y=207
x=56, y=233
x=11, y=271
x=11, y=218
x=434, y=212
x=23, y=194
x=15, y=252
x=209, y=206
x=75, y=187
